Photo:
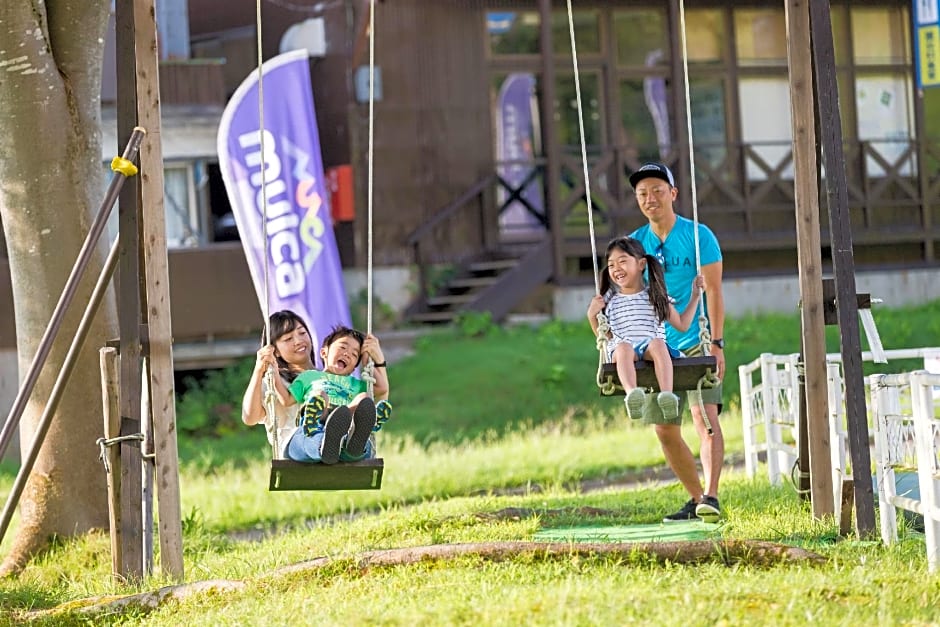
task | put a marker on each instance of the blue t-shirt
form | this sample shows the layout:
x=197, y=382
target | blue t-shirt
x=340, y=388
x=677, y=254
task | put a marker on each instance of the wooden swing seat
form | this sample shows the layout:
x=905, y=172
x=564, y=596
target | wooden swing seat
x=686, y=373
x=290, y=475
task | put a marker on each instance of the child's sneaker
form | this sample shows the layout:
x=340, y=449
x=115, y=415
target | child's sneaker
x=335, y=430
x=311, y=416
x=669, y=403
x=363, y=420
x=383, y=411
x=634, y=402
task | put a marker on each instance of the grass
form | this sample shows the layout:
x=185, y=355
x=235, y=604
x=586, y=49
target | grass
x=488, y=420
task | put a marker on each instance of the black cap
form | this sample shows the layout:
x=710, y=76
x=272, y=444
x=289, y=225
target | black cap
x=652, y=170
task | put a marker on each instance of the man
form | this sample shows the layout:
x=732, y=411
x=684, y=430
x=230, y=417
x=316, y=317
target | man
x=671, y=239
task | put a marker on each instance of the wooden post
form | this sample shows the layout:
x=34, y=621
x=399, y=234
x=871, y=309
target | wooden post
x=844, y=264
x=809, y=257
x=129, y=302
x=157, y=294
x=550, y=139
x=110, y=395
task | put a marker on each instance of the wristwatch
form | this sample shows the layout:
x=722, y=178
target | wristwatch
x=720, y=343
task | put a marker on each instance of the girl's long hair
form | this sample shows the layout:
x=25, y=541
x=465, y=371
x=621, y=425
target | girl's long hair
x=655, y=279
x=280, y=324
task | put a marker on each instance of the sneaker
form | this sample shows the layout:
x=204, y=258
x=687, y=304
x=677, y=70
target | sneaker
x=363, y=420
x=636, y=399
x=335, y=430
x=686, y=513
x=383, y=411
x=311, y=416
x=669, y=403
x=708, y=510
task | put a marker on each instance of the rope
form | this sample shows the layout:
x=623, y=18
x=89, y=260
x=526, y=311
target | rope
x=603, y=327
x=270, y=399
x=704, y=336
x=368, y=374
x=709, y=379
x=105, y=443
x=584, y=161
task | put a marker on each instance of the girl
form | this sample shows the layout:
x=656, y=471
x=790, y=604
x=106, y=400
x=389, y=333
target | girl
x=637, y=312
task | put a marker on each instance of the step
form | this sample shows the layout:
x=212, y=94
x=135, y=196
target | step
x=471, y=282
x=449, y=299
x=493, y=265
x=432, y=316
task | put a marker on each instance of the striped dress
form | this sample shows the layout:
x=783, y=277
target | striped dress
x=632, y=320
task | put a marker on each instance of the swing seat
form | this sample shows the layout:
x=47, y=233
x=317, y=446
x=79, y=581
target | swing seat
x=686, y=373
x=290, y=475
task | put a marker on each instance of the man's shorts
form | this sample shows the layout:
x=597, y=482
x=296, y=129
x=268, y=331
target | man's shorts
x=653, y=415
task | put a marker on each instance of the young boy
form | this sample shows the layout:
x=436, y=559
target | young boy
x=338, y=417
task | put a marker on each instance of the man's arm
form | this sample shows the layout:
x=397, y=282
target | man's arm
x=715, y=305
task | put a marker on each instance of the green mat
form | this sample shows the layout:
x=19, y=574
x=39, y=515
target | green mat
x=658, y=532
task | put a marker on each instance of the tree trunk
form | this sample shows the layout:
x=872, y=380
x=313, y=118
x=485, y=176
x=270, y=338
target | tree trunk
x=50, y=188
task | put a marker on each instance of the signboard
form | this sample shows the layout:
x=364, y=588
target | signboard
x=927, y=42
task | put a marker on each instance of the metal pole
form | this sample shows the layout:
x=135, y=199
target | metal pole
x=68, y=294
x=61, y=381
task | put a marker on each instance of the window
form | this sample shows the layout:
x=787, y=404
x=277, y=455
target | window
x=641, y=38
x=880, y=35
x=705, y=35
x=760, y=36
x=513, y=33
x=587, y=32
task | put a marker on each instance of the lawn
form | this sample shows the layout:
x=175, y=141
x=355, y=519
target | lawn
x=488, y=421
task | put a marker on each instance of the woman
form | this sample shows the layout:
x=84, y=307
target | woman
x=290, y=352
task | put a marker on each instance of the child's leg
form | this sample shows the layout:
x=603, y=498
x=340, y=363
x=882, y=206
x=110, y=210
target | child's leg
x=624, y=357
x=363, y=420
x=301, y=448
x=658, y=353
x=355, y=402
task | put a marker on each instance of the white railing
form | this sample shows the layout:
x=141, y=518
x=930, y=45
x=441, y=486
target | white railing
x=770, y=393
x=907, y=437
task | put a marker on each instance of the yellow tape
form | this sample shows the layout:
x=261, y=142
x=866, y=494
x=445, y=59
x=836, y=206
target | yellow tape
x=124, y=166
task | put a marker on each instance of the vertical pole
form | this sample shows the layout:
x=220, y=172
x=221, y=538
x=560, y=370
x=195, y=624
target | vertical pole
x=110, y=395
x=157, y=295
x=550, y=139
x=815, y=412
x=844, y=264
x=129, y=303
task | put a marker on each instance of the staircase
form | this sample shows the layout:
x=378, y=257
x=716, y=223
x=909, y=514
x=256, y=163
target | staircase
x=494, y=282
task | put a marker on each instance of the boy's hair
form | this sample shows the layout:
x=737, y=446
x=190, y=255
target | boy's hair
x=280, y=323
x=340, y=331
x=655, y=279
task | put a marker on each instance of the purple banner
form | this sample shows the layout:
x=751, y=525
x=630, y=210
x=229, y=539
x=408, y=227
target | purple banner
x=515, y=151
x=304, y=271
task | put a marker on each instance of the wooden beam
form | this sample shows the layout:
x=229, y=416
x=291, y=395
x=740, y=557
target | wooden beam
x=157, y=294
x=809, y=257
x=843, y=263
x=110, y=395
x=129, y=302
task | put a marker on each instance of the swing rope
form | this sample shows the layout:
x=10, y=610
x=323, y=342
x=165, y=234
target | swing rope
x=368, y=369
x=603, y=327
x=270, y=397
